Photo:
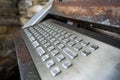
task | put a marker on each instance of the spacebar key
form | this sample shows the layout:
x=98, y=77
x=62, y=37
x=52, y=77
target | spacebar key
x=70, y=53
x=40, y=51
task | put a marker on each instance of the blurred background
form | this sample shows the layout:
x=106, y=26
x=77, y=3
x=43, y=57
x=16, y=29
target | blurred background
x=13, y=15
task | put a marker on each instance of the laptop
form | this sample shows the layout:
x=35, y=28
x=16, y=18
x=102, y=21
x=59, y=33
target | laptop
x=62, y=50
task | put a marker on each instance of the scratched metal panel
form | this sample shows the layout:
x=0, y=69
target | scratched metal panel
x=98, y=11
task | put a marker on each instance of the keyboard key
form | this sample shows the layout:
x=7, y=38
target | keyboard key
x=56, y=29
x=48, y=30
x=77, y=48
x=36, y=35
x=58, y=35
x=51, y=48
x=54, y=33
x=51, y=32
x=61, y=37
x=78, y=39
x=85, y=52
x=60, y=57
x=66, y=40
x=55, y=71
x=28, y=34
x=43, y=42
x=56, y=42
x=26, y=30
x=66, y=64
x=44, y=33
x=85, y=43
x=41, y=39
x=47, y=44
x=60, y=46
x=52, y=40
x=50, y=63
x=45, y=57
x=64, y=32
x=71, y=43
x=70, y=53
x=40, y=51
x=94, y=47
x=60, y=31
x=54, y=52
x=32, y=38
x=72, y=37
x=35, y=44
x=68, y=34
x=49, y=37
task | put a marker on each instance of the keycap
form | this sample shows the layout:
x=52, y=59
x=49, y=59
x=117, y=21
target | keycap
x=78, y=39
x=36, y=35
x=68, y=34
x=54, y=33
x=47, y=44
x=64, y=32
x=66, y=40
x=32, y=38
x=56, y=29
x=71, y=43
x=48, y=30
x=60, y=46
x=35, y=44
x=60, y=31
x=40, y=51
x=55, y=71
x=29, y=35
x=26, y=30
x=50, y=63
x=51, y=48
x=72, y=37
x=45, y=57
x=85, y=52
x=56, y=42
x=61, y=37
x=46, y=35
x=58, y=35
x=41, y=39
x=85, y=43
x=49, y=37
x=77, y=48
x=60, y=57
x=94, y=47
x=52, y=40
x=54, y=52
x=43, y=42
x=66, y=64
x=51, y=32
x=70, y=53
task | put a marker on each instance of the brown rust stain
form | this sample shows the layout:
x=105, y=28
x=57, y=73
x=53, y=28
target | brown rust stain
x=89, y=7
x=93, y=8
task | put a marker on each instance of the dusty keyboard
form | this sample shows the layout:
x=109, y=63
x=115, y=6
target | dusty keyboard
x=59, y=47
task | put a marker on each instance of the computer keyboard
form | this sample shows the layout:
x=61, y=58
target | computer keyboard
x=57, y=51
x=58, y=43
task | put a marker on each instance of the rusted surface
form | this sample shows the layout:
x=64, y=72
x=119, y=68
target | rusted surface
x=102, y=11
